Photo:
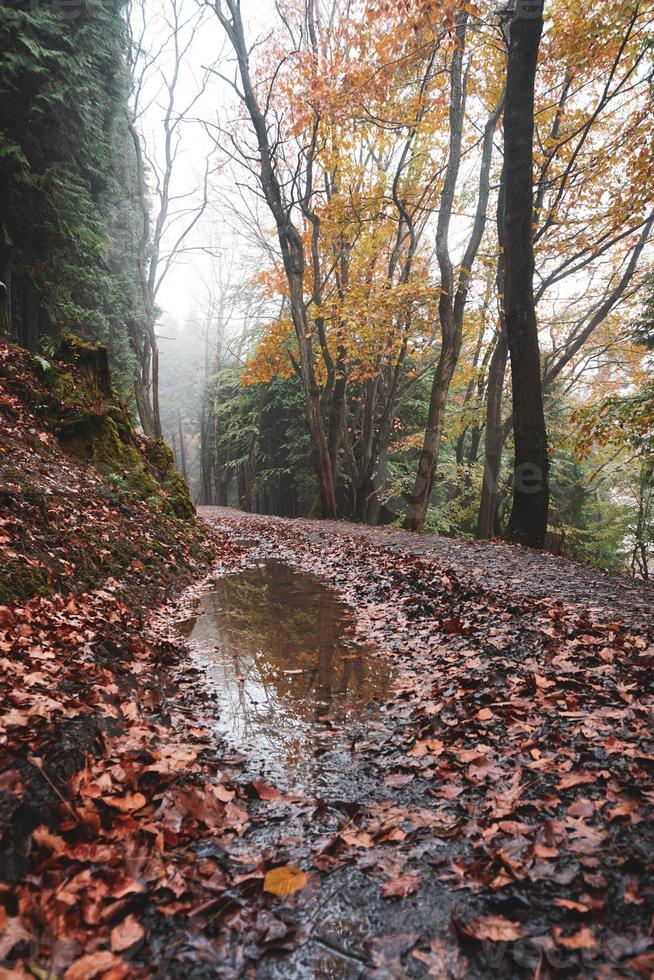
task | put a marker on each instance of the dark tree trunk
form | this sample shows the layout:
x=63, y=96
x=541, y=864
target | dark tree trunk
x=206, y=457
x=528, y=522
x=182, y=447
x=493, y=430
x=156, y=414
x=6, y=319
x=494, y=440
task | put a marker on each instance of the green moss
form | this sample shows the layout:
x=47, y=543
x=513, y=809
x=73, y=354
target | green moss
x=35, y=498
x=66, y=389
x=160, y=458
x=178, y=496
x=162, y=461
x=91, y=361
x=111, y=447
x=19, y=582
x=95, y=429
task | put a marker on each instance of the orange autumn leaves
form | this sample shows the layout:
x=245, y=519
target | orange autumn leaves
x=284, y=881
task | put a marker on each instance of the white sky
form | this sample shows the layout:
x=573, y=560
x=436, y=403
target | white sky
x=185, y=285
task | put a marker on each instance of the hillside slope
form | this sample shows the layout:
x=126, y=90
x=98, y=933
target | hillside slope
x=96, y=529
x=83, y=499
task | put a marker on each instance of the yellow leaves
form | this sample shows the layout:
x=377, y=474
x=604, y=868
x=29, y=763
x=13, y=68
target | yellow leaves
x=271, y=357
x=284, y=881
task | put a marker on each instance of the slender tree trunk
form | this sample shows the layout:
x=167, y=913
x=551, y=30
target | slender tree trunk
x=454, y=292
x=380, y=471
x=247, y=500
x=6, y=323
x=450, y=338
x=493, y=430
x=528, y=521
x=292, y=249
x=206, y=460
x=182, y=447
x=150, y=418
x=156, y=414
x=494, y=439
x=143, y=406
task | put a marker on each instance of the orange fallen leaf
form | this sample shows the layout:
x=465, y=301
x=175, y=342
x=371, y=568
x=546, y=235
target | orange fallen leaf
x=494, y=928
x=357, y=838
x=427, y=746
x=126, y=933
x=52, y=842
x=284, y=881
x=265, y=791
x=401, y=886
x=7, y=617
x=222, y=793
x=567, y=903
x=575, y=779
x=92, y=965
x=584, y=939
x=126, y=804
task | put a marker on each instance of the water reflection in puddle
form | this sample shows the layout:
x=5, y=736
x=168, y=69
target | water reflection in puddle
x=290, y=685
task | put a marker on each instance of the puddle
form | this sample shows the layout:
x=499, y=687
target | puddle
x=246, y=542
x=290, y=687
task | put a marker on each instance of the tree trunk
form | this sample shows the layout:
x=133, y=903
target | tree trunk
x=206, y=459
x=450, y=341
x=493, y=431
x=292, y=249
x=6, y=321
x=154, y=351
x=528, y=522
x=454, y=294
x=494, y=440
x=182, y=447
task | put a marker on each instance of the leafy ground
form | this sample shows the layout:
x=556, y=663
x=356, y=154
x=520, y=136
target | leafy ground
x=493, y=819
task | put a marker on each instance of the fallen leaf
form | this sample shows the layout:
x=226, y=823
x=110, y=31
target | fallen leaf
x=401, y=886
x=93, y=965
x=584, y=939
x=126, y=933
x=284, y=880
x=7, y=617
x=14, y=932
x=126, y=804
x=52, y=842
x=265, y=791
x=494, y=928
x=575, y=779
x=427, y=746
x=567, y=903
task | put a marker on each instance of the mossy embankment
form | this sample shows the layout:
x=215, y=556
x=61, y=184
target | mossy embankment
x=96, y=530
x=85, y=500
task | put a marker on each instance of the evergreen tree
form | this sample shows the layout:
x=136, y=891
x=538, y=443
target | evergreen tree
x=66, y=241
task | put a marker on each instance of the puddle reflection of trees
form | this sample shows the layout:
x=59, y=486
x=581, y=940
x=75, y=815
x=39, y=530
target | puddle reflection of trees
x=280, y=661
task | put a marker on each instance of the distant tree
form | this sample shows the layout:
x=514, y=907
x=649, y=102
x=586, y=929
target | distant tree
x=158, y=62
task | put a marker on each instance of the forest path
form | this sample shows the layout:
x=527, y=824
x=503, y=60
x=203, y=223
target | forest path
x=490, y=814
x=495, y=565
